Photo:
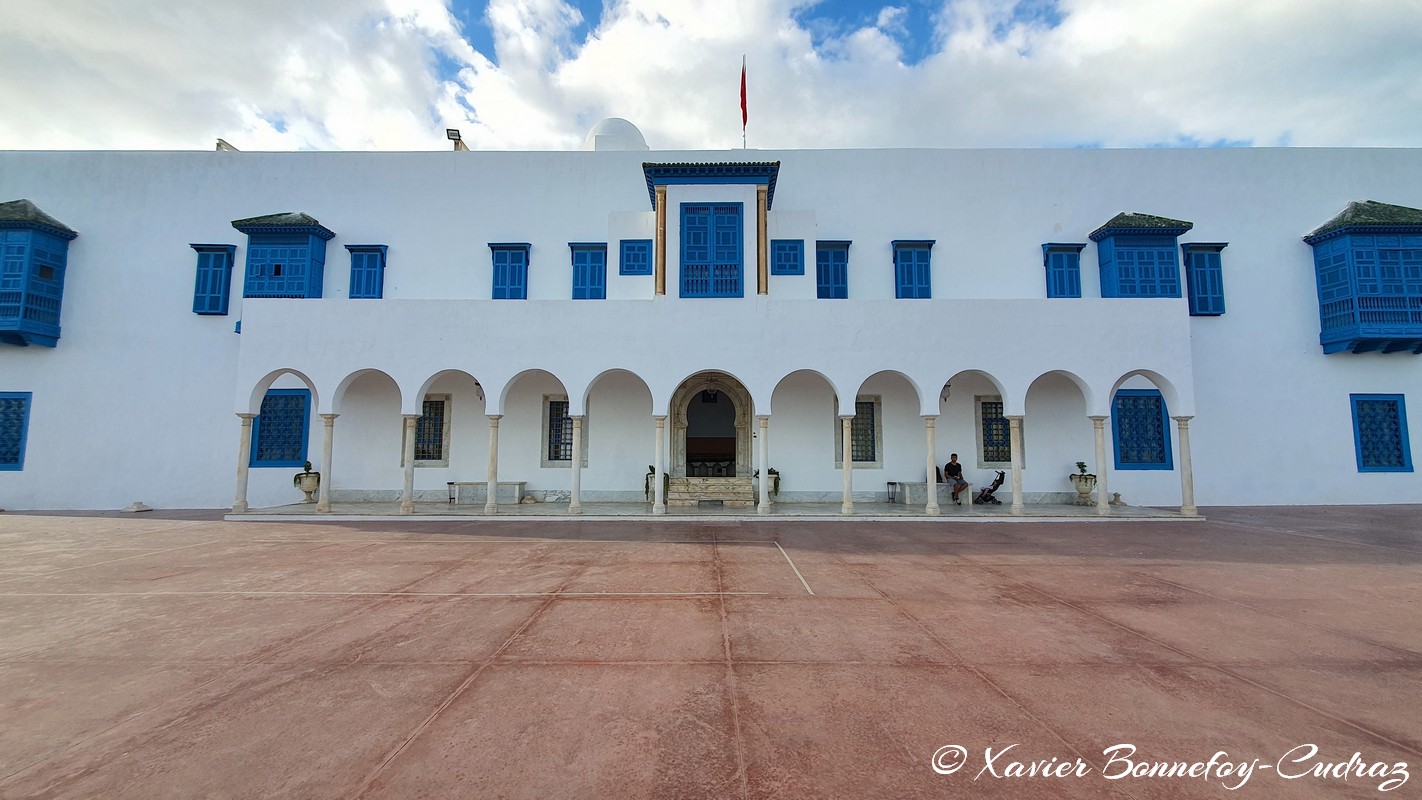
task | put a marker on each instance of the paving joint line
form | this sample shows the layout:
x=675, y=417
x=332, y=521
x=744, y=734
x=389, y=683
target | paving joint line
x=731, y=687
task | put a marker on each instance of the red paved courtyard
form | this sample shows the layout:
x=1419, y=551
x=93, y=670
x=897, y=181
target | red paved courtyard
x=175, y=655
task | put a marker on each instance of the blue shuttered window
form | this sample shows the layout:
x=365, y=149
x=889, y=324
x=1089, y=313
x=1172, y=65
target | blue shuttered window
x=14, y=428
x=367, y=271
x=589, y=271
x=1139, y=266
x=1380, y=433
x=787, y=257
x=214, y=278
x=636, y=257
x=1204, y=279
x=711, y=250
x=510, y=271
x=1140, y=426
x=1063, y=264
x=913, y=274
x=279, y=433
x=280, y=265
x=832, y=270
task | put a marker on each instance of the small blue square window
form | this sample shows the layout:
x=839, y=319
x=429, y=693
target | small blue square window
x=636, y=257
x=787, y=257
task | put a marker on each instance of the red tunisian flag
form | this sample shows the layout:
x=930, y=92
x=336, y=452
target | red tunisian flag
x=743, y=93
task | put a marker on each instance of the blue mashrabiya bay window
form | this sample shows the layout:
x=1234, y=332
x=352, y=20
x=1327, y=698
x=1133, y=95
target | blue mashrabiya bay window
x=589, y=270
x=1137, y=255
x=1140, y=428
x=280, y=431
x=34, y=253
x=286, y=255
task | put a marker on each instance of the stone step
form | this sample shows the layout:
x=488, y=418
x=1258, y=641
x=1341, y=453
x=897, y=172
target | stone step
x=738, y=492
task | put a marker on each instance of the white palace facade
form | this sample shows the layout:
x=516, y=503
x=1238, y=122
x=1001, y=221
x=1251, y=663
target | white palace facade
x=1211, y=327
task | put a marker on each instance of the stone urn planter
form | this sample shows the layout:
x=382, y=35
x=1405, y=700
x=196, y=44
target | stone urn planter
x=1084, y=483
x=308, y=482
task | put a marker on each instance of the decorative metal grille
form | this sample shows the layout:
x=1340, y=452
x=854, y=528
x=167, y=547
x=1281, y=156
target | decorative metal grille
x=429, y=432
x=997, y=434
x=1140, y=429
x=560, y=431
x=12, y=429
x=281, y=430
x=862, y=446
x=1380, y=443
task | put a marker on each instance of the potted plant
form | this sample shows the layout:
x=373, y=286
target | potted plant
x=308, y=482
x=647, y=483
x=774, y=480
x=1084, y=483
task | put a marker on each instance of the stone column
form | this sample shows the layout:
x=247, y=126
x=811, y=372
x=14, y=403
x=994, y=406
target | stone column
x=845, y=453
x=930, y=432
x=659, y=468
x=762, y=248
x=323, y=497
x=764, y=507
x=659, y=248
x=575, y=504
x=491, y=486
x=1103, y=500
x=1015, y=434
x=1187, y=475
x=407, y=498
x=244, y=459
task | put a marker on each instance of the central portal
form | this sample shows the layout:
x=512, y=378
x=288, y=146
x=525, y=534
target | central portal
x=711, y=428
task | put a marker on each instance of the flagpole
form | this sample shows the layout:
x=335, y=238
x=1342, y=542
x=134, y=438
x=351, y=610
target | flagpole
x=743, y=101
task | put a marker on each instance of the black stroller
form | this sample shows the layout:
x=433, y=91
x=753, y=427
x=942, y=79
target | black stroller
x=985, y=497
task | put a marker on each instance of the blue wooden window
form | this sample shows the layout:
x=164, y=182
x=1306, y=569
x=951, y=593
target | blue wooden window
x=787, y=257
x=832, y=270
x=1139, y=266
x=510, y=271
x=636, y=257
x=1369, y=293
x=1140, y=426
x=560, y=432
x=711, y=250
x=1204, y=279
x=14, y=427
x=1063, y=265
x=367, y=271
x=913, y=273
x=32, y=266
x=1380, y=433
x=279, y=433
x=589, y=270
x=282, y=265
x=214, y=278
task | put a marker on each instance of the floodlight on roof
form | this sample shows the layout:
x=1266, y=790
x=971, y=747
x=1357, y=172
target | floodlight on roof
x=451, y=134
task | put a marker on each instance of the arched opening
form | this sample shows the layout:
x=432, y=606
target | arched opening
x=711, y=427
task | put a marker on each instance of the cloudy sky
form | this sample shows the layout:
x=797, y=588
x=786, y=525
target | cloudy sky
x=536, y=74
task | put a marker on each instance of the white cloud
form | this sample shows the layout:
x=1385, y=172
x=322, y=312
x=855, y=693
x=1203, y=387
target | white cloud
x=361, y=74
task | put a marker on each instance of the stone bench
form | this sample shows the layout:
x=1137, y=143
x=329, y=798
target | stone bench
x=509, y=491
x=915, y=493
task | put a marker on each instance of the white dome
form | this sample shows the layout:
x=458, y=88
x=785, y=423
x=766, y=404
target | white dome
x=615, y=133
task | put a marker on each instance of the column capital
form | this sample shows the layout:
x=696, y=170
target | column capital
x=576, y=416
x=494, y=418
x=930, y=419
x=330, y=418
x=1183, y=420
x=846, y=416
x=246, y=418
x=409, y=417
x=762, y=417
x=1015, y=417
x=1098, y=418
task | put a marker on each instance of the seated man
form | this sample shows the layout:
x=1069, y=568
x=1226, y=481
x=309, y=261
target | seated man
x=953, y=471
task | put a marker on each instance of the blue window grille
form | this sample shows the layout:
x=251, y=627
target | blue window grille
x=996, y=433
x=832, y=270
x=636, y=257
x=1204, y=279
x=510, y=270
x=560, y=431
x=589, y=270
x=286, y=255
x=787, y=257
x=430, y=432
x=913, y=273
x=1063, y=265
x=34, y=250
x=14, y=427
x=1140, y=426
x=862, y=443
x=367, y=271
x=279, y=433
x=711, y=250
x=1380, y=433
x=214, y=278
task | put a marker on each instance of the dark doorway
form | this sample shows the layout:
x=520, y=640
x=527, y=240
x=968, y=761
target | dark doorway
x=711, y=435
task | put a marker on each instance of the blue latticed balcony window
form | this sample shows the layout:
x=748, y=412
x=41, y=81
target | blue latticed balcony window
x=213, y=288
x=589, y=270
x=787, y=257
x=711, y=250
x=510, y=270
x=1140, y=426
x=1380, y=433
x=367, y=271
x=279, y=433
x=14, y=426
x=832, y=270
x=913, y=273
x=1063, y=264
x=1368, y=265
x=286, y=255
x=636, y=257
x=1137, y=255
x=34, y=250
x=1204, y=278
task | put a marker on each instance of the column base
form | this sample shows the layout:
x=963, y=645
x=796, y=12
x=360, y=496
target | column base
x=1189, y=511
x=846, y=508
x=407, y=508
x=1017, y=510
x=323, y=508
x=239, y=508
x=575, y=508
x=491, y=508
x=659, y=509
x=933, y=510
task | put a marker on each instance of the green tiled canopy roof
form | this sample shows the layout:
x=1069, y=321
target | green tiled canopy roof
x=24, y=213
x=293, y=221
x=1131, y=221
x=1369, y=214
